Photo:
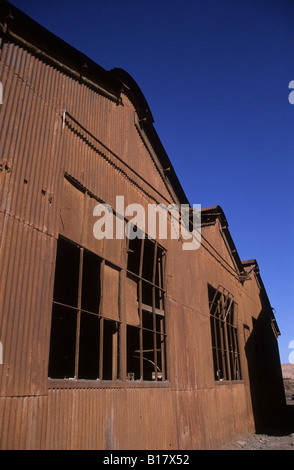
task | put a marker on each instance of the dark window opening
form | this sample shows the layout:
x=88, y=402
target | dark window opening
x=146, y=344
x=83, y=344
x=91, y=282
x=110, y=350
x=133, y=353
x=134, y=252
x=67, y=273
x=147, y=292
x=63, y=342
x=148, y=260
x=89, y=346
x=224, y=335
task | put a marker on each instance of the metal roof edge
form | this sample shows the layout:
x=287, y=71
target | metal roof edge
x=16, y=25
x=210, y=215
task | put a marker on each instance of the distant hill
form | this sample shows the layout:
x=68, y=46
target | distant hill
x=288, y=379
x=288, y=371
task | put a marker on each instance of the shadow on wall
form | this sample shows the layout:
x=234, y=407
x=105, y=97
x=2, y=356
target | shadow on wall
x=271, y=414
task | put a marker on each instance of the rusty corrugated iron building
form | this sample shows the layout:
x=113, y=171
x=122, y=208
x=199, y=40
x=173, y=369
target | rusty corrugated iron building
x=113, y=344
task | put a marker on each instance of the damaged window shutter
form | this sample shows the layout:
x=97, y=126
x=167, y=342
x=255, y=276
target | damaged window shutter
x=132, y=313
x=72, y=211
x=110, y=293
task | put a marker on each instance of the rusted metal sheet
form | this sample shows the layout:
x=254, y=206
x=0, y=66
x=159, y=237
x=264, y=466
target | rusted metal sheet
x=114, y=416
x=110, y=293
x=26, y=285
x=68, y=142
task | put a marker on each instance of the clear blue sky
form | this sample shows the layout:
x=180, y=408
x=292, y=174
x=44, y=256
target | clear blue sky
x=215, y=74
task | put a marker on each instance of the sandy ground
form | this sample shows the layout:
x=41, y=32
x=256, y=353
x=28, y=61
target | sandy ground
x=264, y=442
x=285, y=441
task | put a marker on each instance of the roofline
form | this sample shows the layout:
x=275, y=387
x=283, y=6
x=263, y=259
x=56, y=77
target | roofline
x=210, y=215
x=134, y=92
x=20, y=28
x=253, y=263
x=213, y=212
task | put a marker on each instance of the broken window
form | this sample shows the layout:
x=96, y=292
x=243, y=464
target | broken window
x=84, y=336
x=146, y=337
x=225, y=346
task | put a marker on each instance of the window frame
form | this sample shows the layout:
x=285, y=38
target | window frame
x=122, y=376
x=223, y=312
x=159, y=376
x=79, y=310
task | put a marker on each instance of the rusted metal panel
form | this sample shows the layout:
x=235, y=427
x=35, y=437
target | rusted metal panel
x=92, y=419
x=109, y=419
x=132, y=315
x=72, y=211
x=66, y=146
x=26, y=290
x=110, y=293
x=22, y=423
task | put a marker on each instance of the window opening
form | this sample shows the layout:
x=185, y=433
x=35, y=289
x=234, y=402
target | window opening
x=146, y=343
x=83, y=344
x=224, y=334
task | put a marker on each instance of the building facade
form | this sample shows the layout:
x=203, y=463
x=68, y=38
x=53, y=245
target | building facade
x=123, y=343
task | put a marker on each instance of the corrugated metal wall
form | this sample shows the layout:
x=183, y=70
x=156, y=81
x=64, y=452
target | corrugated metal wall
x=97, y=143
x=118, y=419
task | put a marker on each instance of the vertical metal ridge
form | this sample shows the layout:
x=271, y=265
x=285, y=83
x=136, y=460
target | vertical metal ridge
x=36, y=150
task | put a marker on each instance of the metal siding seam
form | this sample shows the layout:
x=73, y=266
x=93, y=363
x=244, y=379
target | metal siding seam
x=20, y=158
x=5, y=155
x=3, y=409
x=24, y=293
x=34, y=143
x=8, y=318
x=33, y=313
x=22, y=370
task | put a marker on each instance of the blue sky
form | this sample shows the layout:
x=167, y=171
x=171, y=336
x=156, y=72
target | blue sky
x=215, y=74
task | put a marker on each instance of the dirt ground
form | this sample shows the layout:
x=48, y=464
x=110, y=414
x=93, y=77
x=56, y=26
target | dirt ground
x=284, y=441
x=264, y=442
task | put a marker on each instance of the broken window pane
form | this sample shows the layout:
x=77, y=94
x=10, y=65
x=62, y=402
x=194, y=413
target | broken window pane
x=134, y=252
x=148, y=355
x=110, y=350
x=146, y=293
x=89, y=346
x=147, y=318
x=133, y=353
x=225, y=348
x=146, y=344
x=148, y=260
x=63, y=342
x=83, y=344
x=159, y=272
x=67, y=273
